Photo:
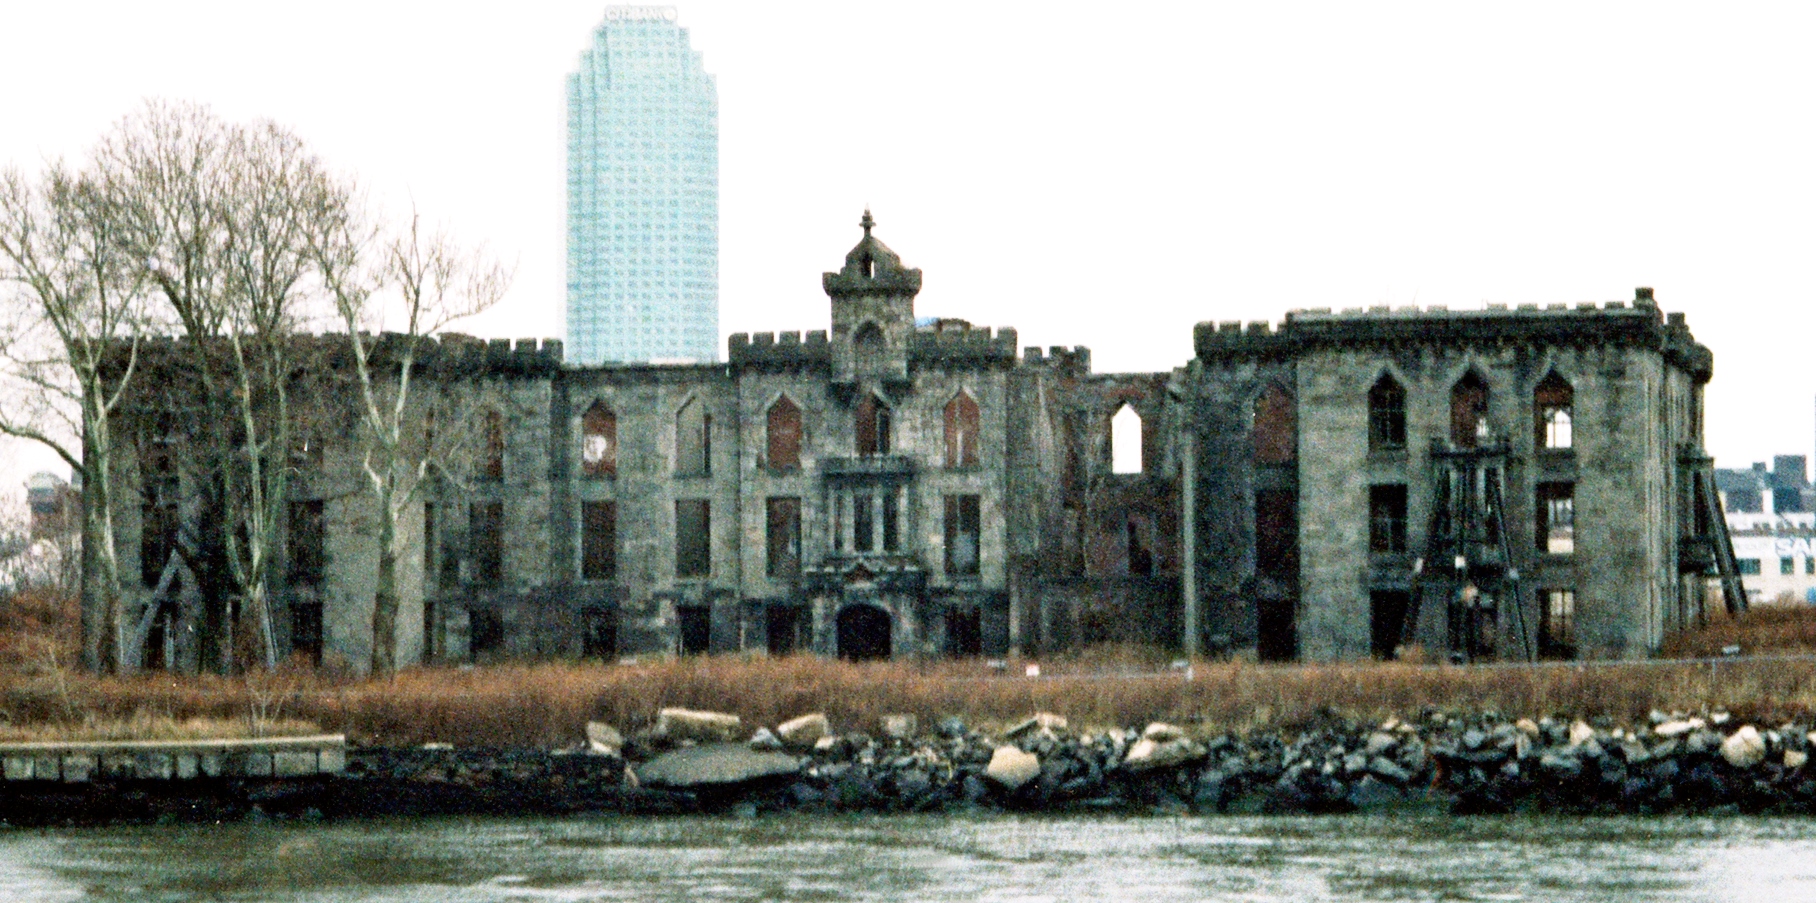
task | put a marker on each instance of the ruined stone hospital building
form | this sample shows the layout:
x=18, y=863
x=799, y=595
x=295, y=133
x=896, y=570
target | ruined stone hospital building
x=1491, y=484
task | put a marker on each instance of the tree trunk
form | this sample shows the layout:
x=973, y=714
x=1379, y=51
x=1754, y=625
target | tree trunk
x=384, y=600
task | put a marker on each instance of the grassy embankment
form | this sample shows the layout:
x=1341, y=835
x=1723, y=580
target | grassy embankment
x=548, y=704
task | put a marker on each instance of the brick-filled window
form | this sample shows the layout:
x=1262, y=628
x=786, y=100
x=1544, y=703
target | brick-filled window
x=485, y=541
x=1387, y=518
x=1552, y=401
x=1557, y=624
x=961, y=418
x=962, y=534
x=1276, y=426
x=693, y=440
x=490, y=463
x=308, y=544
x=598, y=540
x=693, y=538
x=1386, y=415
x=1556, y=520
x=1468, y=410
x=873, y=423
x=784, y=435
x=783, y=535
x=599, y=441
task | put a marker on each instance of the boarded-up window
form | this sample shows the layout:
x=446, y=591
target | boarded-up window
x=693, y=440
x=784, y=435
x=1551, y=405
x=1386, y=415
x=1125, y=441
x=1556, y=519
x=1276, y=426
x=485, y=541
x=693, y=538
x=892, y=529
x=490, y=465
x=962, y=529
x=1387, y=518
x=598, y=540
x=961, y=431
x=873, y=424
x=308, y=544
x=599, y=441
x=1468, y=410
x=783, y=516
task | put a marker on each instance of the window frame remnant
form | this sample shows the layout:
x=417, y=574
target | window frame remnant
x=599, y=441
x=1553, y=406
x=1468, y=409
x=1386, y=415
x=693, y=439
x=782, y=536
x=964, y=534
x=1554, y=521
x=1557, y=624
x=961, y=419
x=872, y=423
x=1387, y=518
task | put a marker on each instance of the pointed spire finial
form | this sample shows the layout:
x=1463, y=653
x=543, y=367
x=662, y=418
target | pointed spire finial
x=867, y=222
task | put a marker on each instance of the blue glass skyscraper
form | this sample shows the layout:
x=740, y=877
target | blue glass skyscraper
x=643, y=195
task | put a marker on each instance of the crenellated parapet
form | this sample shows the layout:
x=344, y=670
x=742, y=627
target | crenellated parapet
x=1071, y=362
x=963, y=347
x=787, y=351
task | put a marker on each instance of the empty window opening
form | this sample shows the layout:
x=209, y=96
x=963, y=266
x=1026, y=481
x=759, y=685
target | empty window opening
x=1468, y=411
x=693, y=537
x=1551, y=403
x=693, y=440
x=1125, y=441
x=1386, y=415
x=863, y=633
x=485, y=631
x=306, y=630
x=1557, y=626
x=863, y=528
x=308, y=544
x=964, y=632
x=599, y=441
x=599, y=633
x=1276, y=426
x=1556, y=518
x=598, y=540
x=1787, y=566
x=962, y=528
x=1387, y=518
x=838, y=523
x=1387, y=622
x=1747, y=567
x=784, y=435
x=1140, y=554
x=158, y=528
x=490, y=465
x=892, y=530
x=695, y=625
x=783, y=629
x=485, y=539
x=961, y=431
x=783, y=516
x=873, y=423
x=430, y=552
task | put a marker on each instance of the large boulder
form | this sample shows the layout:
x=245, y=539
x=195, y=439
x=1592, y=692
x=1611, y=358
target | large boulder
x=805, y=731
x=1040, y=722
x=700, y=727
x=1745, y=748
x=900, y=727
x=603, y=740
x=714, y=765
x=1149, y=753
x=1011, y=768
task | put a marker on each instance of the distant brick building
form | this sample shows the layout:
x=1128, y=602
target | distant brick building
x=1500, y=483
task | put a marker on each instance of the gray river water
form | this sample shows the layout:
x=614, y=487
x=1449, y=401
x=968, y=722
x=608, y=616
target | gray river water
x=986, y=858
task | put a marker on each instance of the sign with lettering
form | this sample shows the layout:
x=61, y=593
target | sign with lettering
x=1799, y=545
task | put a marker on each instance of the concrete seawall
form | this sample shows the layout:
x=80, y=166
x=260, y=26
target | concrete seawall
x=174, y=760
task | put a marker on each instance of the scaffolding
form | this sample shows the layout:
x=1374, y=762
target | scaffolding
x=1467, y=561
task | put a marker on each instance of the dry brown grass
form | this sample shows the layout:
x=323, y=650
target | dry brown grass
x=1761, y=630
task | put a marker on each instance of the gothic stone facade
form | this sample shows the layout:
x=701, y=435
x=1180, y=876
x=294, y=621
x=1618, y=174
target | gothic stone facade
x=1499, y=483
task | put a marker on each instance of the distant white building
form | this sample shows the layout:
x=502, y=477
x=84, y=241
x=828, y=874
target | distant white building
x=1774, y=531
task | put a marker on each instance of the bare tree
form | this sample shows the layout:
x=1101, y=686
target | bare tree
x=73, y=310
x=420, y=284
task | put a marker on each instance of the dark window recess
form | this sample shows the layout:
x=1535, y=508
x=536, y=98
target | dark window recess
x=485, y=631
x=598, y=540
x=160, y=640
x=1557, y=625
x=872, y=423
x=783, y=624
x=783, y=535
x=1072, y=478
x=1141, y=557
x=1787, y=565
x=962, y=529
x=308, y=544
x=157, y=537
x=1551, y=405
x=961, y=431
x=1468, y=410
x=964, y=632
x=1277, y=534
x=490, y=465
x=696, y=629
x=1276, y=428
x=892, y=529
x=431, y=630
x=867, y=343
x=485, y=541
x=1387, y=518
x=863, y=526
x=1387, y=622
x=784, y=435
x=1386, y=415
x=430, y=551
x=599, y=633
x=599, y=441
x=693, y=537
x=1556, y=518
x=1748, y=567
x=693, y=440
x=306, y=630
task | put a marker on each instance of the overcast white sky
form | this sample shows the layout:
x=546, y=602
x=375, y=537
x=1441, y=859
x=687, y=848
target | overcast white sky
x=1091, y=174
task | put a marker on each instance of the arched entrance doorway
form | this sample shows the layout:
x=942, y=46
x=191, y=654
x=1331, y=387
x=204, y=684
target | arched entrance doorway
x=863, y=633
